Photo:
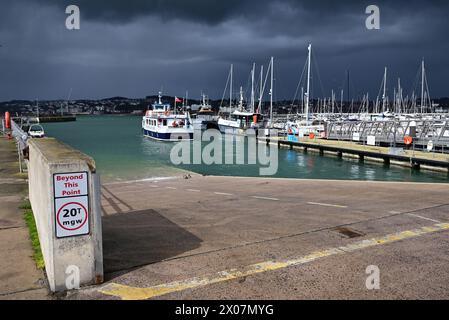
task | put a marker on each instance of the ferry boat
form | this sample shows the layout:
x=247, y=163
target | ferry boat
x=161, y=124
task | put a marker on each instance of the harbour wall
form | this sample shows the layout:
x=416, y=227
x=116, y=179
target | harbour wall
x=417, y=160
x=73, y=257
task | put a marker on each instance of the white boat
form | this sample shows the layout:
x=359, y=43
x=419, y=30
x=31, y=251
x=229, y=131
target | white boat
x=160, y=123
x=307, y=126
x=241, y=120
x=204, y=116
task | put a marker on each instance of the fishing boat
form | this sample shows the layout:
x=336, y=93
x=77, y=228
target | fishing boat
x=205, y=116
x=161, y=123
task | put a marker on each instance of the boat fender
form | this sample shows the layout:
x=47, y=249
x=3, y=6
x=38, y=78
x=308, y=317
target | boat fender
x=408, y=140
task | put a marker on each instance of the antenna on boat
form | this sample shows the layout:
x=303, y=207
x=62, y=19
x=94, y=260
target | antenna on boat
x=160, y=97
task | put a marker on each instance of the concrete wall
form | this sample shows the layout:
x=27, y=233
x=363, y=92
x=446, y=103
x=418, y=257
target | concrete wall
x=47, y=157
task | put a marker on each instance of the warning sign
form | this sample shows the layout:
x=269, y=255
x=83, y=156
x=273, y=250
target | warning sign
x=71, y=204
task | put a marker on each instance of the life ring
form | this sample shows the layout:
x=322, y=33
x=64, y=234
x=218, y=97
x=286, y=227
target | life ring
x=167, y=113
x=408, y=140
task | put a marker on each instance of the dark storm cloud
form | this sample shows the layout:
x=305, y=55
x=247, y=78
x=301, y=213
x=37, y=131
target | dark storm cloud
x=217, y=11
x=133, y=48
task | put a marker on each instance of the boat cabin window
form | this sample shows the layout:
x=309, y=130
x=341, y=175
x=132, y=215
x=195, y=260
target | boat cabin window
x=164, y=123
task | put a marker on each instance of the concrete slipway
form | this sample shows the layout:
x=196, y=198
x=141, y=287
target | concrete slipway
x=251, y=238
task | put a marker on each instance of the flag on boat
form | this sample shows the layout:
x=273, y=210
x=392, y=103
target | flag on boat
x=177, y=100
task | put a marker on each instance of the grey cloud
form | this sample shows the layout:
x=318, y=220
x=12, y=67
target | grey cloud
x=132, y=48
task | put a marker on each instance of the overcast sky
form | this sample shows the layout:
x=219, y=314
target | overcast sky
x=134, y=48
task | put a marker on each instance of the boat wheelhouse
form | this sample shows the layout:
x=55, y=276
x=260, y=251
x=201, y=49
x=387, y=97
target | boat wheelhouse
x=240, y=121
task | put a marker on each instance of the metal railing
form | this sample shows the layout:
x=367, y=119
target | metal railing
x=21, y=138
x=423, y=132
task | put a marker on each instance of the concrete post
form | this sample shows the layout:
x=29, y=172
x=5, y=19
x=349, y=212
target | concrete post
x=64, y=191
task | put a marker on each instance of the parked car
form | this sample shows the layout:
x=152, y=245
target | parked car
x=36, y=131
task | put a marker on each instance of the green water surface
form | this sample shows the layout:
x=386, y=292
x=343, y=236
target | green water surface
x=122, y=153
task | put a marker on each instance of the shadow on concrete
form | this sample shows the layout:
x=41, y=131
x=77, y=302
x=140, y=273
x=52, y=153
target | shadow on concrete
x=138, y=238
x=113, y=201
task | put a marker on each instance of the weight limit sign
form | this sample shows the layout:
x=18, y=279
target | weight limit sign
x=71, y=204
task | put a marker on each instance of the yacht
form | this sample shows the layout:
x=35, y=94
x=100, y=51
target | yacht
x=160, y=123
x=240, y=120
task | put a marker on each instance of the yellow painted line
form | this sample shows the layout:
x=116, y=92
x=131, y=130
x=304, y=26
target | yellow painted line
x=326, y=205
x=132, y=293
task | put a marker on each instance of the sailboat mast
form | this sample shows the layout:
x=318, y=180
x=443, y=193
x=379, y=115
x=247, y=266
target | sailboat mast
x=70, y=96
x=308, y=84
x=333, y=100
x=422, y=85
x=271, y=92
x=230, y=91
x=384, y=97
x=260, y=90
x=252, y=87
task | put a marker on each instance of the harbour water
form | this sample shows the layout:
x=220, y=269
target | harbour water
x=122, y=153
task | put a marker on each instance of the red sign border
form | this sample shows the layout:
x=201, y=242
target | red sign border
x=65, y=205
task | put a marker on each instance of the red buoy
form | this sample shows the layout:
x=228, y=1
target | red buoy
x=7, y=120
x=408, y=140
